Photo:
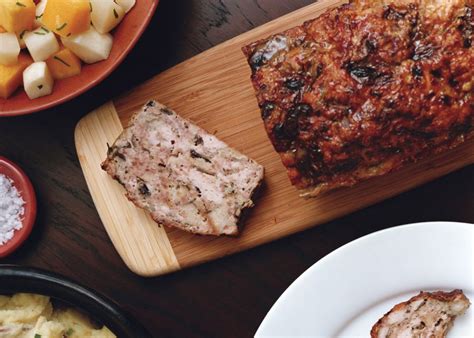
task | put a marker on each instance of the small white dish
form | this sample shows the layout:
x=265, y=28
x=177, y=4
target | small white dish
x=346, y=292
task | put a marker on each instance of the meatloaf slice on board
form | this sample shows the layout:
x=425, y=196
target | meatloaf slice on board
x=185, y=177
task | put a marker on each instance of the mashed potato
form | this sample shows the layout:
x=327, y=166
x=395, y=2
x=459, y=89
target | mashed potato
x=32, y=316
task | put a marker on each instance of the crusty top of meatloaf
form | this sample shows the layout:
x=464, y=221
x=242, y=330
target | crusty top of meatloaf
x=182, y=175
x=366, y=88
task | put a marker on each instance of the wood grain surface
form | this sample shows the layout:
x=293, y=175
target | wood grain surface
x=143, y=245
x=214, y=91
x=225, y=298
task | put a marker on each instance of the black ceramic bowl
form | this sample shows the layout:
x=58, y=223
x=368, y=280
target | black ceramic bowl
x=15, y=279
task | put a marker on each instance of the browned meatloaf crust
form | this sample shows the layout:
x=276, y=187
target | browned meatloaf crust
x=425, y=315
x=366, y=88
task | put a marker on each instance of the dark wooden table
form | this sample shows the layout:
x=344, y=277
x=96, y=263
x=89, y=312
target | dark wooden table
x=225, y=298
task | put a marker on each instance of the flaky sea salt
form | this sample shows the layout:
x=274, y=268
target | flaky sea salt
x=11, y=209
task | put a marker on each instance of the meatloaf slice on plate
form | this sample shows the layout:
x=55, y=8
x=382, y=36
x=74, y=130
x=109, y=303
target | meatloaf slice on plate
x=429, y=314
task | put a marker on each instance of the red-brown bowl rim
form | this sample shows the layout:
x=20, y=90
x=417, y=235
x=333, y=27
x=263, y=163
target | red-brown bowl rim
x=26, y=191
x=146, y=20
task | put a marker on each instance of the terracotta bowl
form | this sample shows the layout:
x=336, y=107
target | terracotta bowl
x=25, y=188
x=125, y=36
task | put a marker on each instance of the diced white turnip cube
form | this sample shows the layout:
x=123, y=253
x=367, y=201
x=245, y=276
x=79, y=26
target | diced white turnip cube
x=38, y=80
x=105, y=15
x=39, y=12
x=126, y=4
x=90, y=46
x=9, y=49
x=41, y=43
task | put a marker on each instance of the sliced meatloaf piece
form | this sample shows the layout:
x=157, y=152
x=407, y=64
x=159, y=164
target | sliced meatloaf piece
x=185, y=177
x=427, y=315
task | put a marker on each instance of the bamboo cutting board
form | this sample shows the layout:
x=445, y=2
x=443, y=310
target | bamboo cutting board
x=213, y=89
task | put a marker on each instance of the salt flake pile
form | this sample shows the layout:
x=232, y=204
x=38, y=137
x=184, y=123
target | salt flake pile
x=11, y=209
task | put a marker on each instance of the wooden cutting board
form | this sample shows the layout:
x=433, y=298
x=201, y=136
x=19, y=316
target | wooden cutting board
x=213, y=89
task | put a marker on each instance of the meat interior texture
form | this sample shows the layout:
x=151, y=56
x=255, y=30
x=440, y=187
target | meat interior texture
x=184, y=176
x=427, y=315
x=366, y=88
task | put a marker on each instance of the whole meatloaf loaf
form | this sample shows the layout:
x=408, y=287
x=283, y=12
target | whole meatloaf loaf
x=366, y=88
x=185, y=177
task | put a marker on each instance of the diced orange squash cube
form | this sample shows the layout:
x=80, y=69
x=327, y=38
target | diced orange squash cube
x=17, y=16
x=11, y=77
x=67, y=17
x=64, y=64
x=2, y=30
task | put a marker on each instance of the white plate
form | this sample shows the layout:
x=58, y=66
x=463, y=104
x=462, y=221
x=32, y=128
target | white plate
x=347, y=291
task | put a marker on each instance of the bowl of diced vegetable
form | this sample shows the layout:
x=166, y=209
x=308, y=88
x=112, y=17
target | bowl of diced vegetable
x=54, y=50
